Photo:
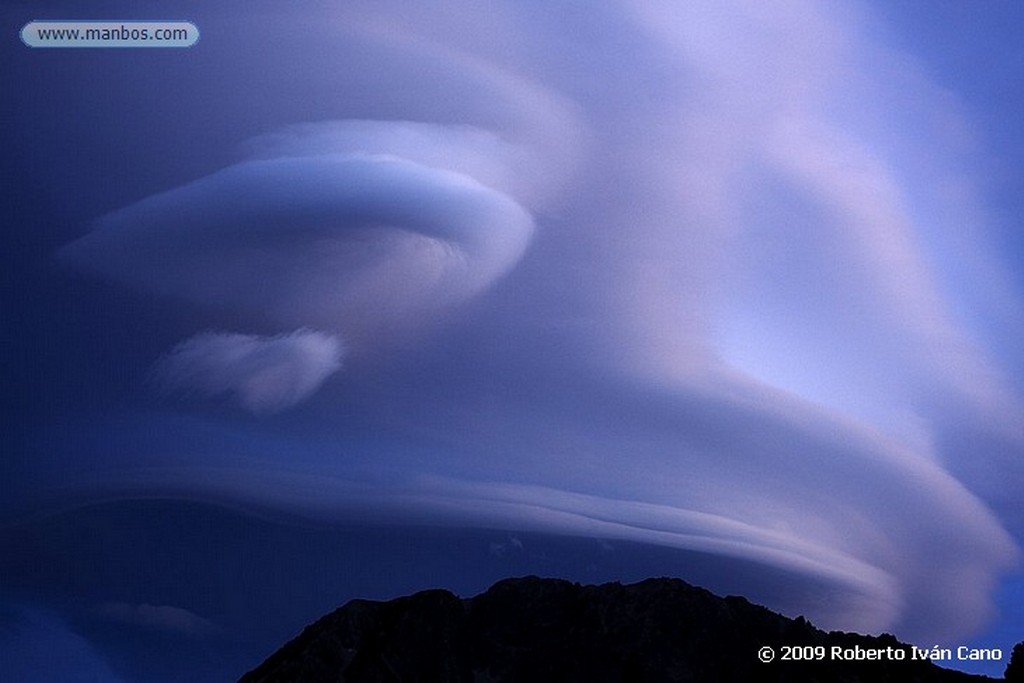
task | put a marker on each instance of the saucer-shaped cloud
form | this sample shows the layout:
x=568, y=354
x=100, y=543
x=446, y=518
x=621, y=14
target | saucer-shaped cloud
x=349, y=239
x=358, y=228
x=265, y=375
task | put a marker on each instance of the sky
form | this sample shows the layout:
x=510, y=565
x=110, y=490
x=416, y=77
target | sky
x=360, y=298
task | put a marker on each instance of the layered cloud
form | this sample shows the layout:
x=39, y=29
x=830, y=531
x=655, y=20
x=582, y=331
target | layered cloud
x=732, y=323
x=343, y=241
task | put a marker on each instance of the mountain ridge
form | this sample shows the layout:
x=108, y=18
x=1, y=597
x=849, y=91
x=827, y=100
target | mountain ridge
x=537, y=629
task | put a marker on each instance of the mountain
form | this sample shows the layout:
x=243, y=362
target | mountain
x=533, y=629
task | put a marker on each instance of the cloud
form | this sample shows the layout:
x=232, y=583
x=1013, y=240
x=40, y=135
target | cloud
x=367, y=228
x=502, y=548
x=160, y=617
x=733, y=324
x=734, y=471
x=264, y=374
x=483, y=155
x=349, y=238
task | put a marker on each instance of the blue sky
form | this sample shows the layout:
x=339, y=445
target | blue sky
x=366, y=298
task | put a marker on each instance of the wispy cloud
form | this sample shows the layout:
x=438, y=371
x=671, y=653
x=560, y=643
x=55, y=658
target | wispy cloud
x=264, y=374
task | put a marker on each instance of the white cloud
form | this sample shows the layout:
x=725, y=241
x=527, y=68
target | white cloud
x=264, y=374
x=334, y=230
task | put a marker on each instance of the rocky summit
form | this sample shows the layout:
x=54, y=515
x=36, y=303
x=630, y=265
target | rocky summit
x=533, y=629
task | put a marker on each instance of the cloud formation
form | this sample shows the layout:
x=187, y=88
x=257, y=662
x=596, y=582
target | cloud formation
x=340, y=241
x=264, y=374
x=731, y=323
x=362, y=228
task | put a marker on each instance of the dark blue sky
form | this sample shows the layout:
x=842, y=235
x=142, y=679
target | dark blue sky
x=367, y=298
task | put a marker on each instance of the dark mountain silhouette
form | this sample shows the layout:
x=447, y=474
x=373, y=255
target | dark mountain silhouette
x=1015, y=669
x=534, y=629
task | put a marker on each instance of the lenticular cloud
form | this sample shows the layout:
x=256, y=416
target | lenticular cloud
x=265, y=375
x=359, y=228
x=330, y=226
